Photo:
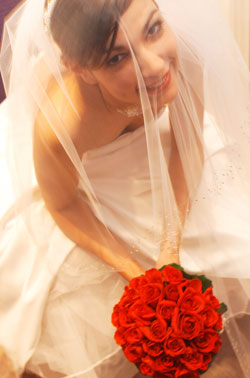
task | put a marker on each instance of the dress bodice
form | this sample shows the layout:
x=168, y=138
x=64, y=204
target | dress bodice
x=119, y=175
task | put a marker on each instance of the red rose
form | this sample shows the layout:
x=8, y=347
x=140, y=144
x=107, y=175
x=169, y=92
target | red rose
x=133, y=353
x=152, y=349
x=115, y=316
x=133, y=335
x=174, y=346
x=173, y=292
x=157, y=331
x=128, y=298
x=137, y=282
x=206, y=341
x=188, y=326
x=166, y=325
x=154, y=276
x=210, y=316
x=164, y=363
x=192, y=359
x=211, y=299
x=194, y=283
x=142, y=313
x=147, y=366
x=172, y=274
x=151, y=293
x=165, y=309
x=217, y=346
x=191, y=301
x=169, y=374
x=185, y=373
x=120, y=336
x=125, y=319
x=219, y=324
x=207, y=358
x=145, y=369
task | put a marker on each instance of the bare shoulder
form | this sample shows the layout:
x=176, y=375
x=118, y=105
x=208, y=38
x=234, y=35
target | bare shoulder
x=56, y=175
x=62, y=108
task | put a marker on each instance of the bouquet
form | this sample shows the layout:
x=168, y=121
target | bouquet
x=168, y=323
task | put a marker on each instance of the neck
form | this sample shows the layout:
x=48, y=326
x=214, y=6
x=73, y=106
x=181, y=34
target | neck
x=130, y=115
x=124, y=117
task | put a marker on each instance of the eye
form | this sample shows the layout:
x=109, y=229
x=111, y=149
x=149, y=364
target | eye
x=155, y=29
x=116, y=59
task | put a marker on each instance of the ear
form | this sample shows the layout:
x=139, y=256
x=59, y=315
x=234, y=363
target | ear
x=88, y=76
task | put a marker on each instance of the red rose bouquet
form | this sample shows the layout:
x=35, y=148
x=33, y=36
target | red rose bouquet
x=168, y=323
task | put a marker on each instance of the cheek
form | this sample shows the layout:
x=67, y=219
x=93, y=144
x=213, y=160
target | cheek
x=122, y=83
x=169, y=41
x=170, y=48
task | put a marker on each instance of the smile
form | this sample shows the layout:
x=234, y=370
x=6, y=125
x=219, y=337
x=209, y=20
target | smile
x=162, y=84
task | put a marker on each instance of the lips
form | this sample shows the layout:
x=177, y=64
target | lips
x=160, y=85
x=157, y=85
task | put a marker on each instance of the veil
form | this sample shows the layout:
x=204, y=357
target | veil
x=174, y=185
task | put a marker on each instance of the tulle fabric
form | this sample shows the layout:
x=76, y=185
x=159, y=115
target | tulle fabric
x=57, y=305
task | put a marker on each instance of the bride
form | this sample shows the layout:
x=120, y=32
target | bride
x=129, y=139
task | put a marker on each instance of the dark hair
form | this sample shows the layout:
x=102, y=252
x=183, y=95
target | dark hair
x=86, y=29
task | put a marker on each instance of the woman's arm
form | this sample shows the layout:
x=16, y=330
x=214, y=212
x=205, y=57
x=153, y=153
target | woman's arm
x=80, y=225
x=171, y=255
x=58, y=182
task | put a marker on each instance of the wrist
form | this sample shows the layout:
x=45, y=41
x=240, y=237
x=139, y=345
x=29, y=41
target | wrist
x=166, y=258
x=132, y=270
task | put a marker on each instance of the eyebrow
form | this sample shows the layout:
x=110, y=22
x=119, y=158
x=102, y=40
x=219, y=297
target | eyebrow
x=122, y=47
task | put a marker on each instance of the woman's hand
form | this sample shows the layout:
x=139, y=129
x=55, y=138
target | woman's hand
x=167, y=257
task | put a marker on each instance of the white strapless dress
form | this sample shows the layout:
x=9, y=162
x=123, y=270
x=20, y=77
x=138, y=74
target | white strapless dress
x=58, y=311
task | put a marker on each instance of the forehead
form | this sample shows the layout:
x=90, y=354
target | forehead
x=134, y=19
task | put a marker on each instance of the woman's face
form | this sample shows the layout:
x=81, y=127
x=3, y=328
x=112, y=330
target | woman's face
x=154, y=46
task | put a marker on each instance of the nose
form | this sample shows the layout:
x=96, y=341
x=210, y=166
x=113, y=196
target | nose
x=152, y=65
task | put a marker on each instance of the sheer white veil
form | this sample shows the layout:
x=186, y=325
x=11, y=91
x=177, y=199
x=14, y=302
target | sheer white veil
x=213, y=147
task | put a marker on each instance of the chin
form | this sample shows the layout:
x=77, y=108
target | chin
x=166, y=98
x=172, y=95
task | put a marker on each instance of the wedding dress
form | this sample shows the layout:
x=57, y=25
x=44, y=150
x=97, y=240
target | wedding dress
x=70, y=289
